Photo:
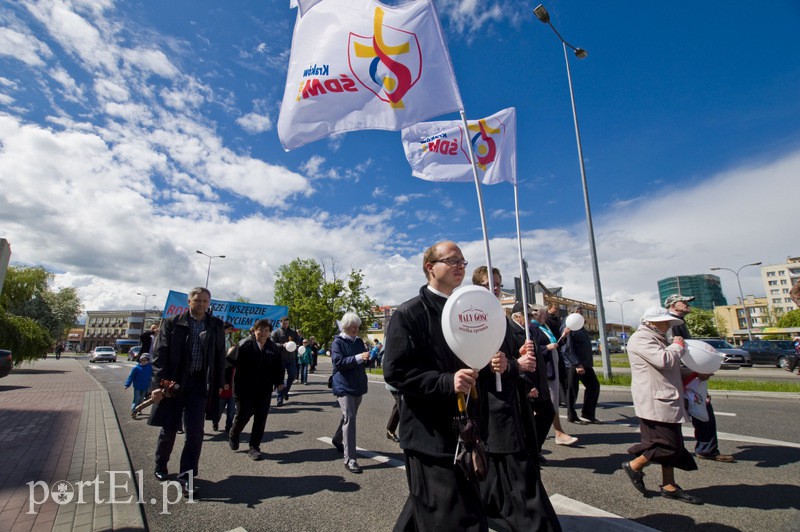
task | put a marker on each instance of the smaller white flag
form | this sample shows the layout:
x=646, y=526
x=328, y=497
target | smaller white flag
x=438, y=151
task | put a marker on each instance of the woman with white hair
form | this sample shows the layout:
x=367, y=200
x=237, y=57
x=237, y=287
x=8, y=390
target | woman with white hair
x=348, y=355
x=657, y=391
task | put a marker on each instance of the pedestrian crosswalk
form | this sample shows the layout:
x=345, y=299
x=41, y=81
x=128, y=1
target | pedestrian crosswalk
x=112, y=366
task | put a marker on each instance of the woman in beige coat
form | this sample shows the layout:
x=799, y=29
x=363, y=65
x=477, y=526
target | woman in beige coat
x=657, y=391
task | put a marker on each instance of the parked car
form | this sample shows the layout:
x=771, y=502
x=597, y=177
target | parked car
x=732, y=357
x=103, y=352
x=772, y=352
x=614, y=345
x=6, y=362
x=133, y=353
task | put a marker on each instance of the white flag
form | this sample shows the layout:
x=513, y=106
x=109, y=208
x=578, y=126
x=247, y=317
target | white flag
x=360, y=64
x=438, y=151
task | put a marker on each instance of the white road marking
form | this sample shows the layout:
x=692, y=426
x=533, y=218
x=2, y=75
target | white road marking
x=92, y=366
x=628, y=405
x=371, y=455
x=688, y=431
x=113, y=366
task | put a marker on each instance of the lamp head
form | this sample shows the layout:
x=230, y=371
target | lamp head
x=542, y=14
x=580, y=53
x=198, y=251
x=222, y=256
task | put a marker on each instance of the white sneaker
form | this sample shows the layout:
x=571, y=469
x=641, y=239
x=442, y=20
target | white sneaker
x=566, y=440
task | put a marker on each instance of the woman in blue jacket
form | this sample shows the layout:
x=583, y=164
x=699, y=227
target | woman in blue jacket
x=348, y=355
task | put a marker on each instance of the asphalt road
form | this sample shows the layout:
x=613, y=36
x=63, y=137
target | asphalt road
x=302, y=483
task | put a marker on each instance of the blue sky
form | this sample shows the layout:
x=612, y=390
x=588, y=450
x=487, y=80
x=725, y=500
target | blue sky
x=134, y=133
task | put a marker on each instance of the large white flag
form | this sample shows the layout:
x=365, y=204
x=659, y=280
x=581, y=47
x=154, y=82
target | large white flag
x=360, y=64
x=437, y=151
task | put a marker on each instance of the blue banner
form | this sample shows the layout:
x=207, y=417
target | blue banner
x=240, y=315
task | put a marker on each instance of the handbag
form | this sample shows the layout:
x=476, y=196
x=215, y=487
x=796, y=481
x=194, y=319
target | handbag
x=696, y=392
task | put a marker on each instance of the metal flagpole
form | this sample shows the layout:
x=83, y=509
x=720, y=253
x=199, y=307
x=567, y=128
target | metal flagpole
x=521, y=267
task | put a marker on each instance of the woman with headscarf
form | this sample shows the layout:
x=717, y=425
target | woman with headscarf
x=657, y=390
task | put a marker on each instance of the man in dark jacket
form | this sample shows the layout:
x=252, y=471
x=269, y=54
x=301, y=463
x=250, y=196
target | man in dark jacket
x=258, y=370
x=146, y=339
x=577, y=353
x=428, y=375
x=705, y=432
x=281, y=336
x=188, y=372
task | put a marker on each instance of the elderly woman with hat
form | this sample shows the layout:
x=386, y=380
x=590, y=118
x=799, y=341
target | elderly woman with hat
x=657, y=390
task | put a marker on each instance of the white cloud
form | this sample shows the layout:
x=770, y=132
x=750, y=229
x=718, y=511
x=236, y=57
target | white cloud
x=255, y=123
x=25, y=48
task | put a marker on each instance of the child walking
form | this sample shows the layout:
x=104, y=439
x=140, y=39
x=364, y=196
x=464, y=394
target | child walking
x=140, y=378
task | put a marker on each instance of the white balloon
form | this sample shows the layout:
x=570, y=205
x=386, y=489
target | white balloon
x=301, y=350
x=574, y=321
x=290, y=346
x=701, y=357
x=474, y=325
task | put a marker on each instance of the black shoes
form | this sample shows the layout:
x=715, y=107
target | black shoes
x=339, y=446
x=392, y=436
x=233, y=444
x=637, y=478
x=215, y=427
x=190, y=493
x=160, y=474
x=592, y=421
x=353, y=467
x=680, y=495
x=577, y=421
x=254, y=453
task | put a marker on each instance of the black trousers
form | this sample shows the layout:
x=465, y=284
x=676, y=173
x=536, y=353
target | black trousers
x=258, y=409
x=590, y=396
x=513, y=492
x=394, y=417
x=440, y=497
x=705, y=432
x=544, y=412
x=193, y=411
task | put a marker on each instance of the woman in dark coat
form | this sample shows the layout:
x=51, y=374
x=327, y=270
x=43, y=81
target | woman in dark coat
x=348, y=355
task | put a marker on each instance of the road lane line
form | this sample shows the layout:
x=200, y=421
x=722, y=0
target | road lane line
x=628, y=405
x=372, y=455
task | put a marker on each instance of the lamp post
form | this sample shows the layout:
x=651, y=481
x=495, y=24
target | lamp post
x=621, y=314
x=208, y=273
x=144, y=314
x=745, y=310
x=542, y=14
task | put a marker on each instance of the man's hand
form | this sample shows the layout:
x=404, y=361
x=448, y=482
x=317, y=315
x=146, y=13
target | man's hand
x=464, y=380
x=157, y=395
x=579, y=370
x=499, y=362
x=365, y=356
x=527, y=363
x=534, y=393
x=527, y=348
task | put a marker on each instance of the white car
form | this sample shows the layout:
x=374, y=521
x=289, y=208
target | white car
x=106, y=353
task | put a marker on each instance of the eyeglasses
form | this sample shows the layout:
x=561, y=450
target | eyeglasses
x=452, y=262
x=486, y=286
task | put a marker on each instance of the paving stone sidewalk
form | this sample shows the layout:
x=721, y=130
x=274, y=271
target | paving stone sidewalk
x=61, y=451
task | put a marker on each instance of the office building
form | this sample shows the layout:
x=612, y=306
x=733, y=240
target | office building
x=705, y=288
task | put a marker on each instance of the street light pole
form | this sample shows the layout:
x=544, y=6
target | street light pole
x=208, y=273
x=144, y=314
x=621, y=314
x=542, y=14
x=745, y=310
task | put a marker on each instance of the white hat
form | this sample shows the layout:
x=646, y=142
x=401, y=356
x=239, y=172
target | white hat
x=654, y=314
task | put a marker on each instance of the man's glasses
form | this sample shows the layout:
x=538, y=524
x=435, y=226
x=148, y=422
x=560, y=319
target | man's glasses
x=452, y=261
x=486, y=286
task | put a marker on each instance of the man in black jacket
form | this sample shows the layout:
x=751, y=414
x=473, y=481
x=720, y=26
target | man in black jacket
x=188, y=372
x=258, y=370
x=577, y=353
x=428, y=375
x=705, y=432
x=281, y=336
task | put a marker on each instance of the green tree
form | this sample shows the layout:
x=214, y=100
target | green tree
x=316, y=298
x=35, y=316
x=722, y=325
x=701, y=323
x=790, y=319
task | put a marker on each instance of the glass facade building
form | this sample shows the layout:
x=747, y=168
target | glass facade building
x=706, y=289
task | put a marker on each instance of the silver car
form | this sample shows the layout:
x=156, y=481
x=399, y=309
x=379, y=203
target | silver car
x=103, y=352
x=732, y=357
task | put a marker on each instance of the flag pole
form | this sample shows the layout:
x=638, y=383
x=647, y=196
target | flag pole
x=489, y=271
x=522, y=267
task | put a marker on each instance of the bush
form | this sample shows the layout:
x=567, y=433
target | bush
x=26, y=339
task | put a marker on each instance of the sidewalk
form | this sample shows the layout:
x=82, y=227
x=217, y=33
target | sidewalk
x=57, y=424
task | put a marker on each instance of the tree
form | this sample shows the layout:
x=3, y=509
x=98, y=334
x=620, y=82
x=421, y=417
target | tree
x=316, y=299
x=790, y=319
x=34, y=316
x=722, y=325
x=701, y=323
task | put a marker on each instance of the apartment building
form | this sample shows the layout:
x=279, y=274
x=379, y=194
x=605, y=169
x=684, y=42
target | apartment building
x=778, y=279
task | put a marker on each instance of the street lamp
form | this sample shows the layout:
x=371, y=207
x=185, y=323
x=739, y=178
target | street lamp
x=208, y=273
x=745, y=310
x=542, y=14
x=621, y=314
x=144, y=314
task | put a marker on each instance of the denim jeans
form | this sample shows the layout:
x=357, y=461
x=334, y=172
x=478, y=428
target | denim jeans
x=138, y=397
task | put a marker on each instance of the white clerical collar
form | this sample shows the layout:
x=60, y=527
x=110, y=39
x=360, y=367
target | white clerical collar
x=438, y=293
